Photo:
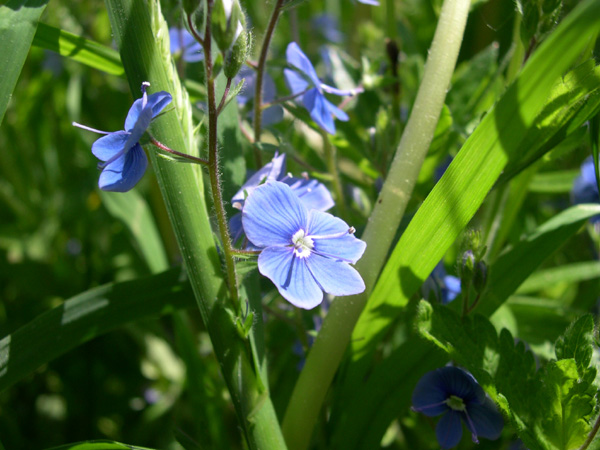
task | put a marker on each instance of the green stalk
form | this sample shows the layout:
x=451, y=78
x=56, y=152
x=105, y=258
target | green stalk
x=331, y=161
x=332, y=340
x=260, y=70
x=142, y=36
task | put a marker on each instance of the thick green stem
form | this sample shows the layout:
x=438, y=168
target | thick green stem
x=329, y=347
x=213, y=165
x=260, y=70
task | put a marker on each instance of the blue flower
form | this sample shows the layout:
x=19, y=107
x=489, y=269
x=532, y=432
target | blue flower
x=445, y=287
x=124, y=160
x=369, y=2
x=183, y=42
x=454, y=393
x=328, y=26
x=313, y=194
x=303, y=252
x=270, y=115
x=585, y=188
x=304, y=80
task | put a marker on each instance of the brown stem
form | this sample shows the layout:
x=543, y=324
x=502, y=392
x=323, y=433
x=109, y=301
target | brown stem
x=259, y=79
x=592, y=435
x=195, y=33
x=175, y=152
x=225, y=94
x=277, y=101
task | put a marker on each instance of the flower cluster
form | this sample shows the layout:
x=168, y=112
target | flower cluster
x=456, y=395
x=302, y=252
x=124, y=160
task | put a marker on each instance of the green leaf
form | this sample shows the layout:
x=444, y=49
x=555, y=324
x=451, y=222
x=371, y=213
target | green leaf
x=571, y=273
x=18, y=22
x=131, y=208
x=577, y=343
x=79, y=49
x=559, y=182
x=87, y=316
x=567, y=403
x=99, y=445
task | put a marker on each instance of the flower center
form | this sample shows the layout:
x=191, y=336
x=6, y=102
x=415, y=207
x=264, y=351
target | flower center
x=455, y=403
x=302, y=244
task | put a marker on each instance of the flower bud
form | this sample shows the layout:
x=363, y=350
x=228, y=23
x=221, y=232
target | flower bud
x=235, y=58
x=227, y=23
x=466, y=266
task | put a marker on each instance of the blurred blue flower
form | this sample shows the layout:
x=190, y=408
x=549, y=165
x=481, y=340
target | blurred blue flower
x=124, y=160
x=585, y=188
x=455, y=394
x=303, y=252
x=327, y=25
x=445, y=287
x=369, y=2
x=304, y=81
x=313, y=194
x=183, y=42
x=270, y=115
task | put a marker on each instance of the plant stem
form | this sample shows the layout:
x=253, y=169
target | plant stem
x=225, y=94
x=277, y=101
x=213, y=165
x=330, y=345
x=163, y=147
x=592, y=435
x=260, y=69
x=331, y=161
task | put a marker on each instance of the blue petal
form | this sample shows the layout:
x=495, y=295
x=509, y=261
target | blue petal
x=313, y=194
x=335, y=277
x=272, y=215
x=108, y=146
x=295, y=82
x=291, y=276
x=429, y=395
x=319, y=110
x=336, y=91
x=347, y=247
x=337, y=112
x=369, y=2
x=450, y=288
x=487, y=420
x=460, y=383
x=272, y=115
x=296, y=58
x=183, y=41
x=156, y=103
x=123, y=174
x=271, y=171
x=449, y=430
x=235, y=227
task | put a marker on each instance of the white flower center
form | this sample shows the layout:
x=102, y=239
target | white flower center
x=456, y=403
x=302, y=244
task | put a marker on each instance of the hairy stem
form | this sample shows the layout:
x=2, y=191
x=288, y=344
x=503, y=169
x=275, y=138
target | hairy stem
x=191, y=158
x=224, y=98
x=213, y=165
x=328, y=349
x=260, y=69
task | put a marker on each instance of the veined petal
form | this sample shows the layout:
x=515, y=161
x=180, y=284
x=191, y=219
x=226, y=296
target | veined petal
x=313, y=194
x=291, y=276
x=335, y=277
x=460, y=383
x=296, y=58
x=269, y=172
x=123, y=174
x=108, y=146
x=141, y=124
x=487, y=420
x=429, y=395
x=272, y=214
x=449, y=430
x=346, y=247
x=319, y=110
x=337, y=112
x=295, y=82
x=156, y=103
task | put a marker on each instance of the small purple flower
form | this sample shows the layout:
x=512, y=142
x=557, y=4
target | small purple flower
x=454, y=393
x=183, y=42
x=303, y=252
x=313, y=194
x=304, y=80
x=585, y=188
x=124, y=160
x=369, y=2
x=445, y=287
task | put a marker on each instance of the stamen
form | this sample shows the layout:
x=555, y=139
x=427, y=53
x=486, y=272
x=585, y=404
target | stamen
x=78, y=125
x=471, y=427
x=422, y=408
x=145, y=85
